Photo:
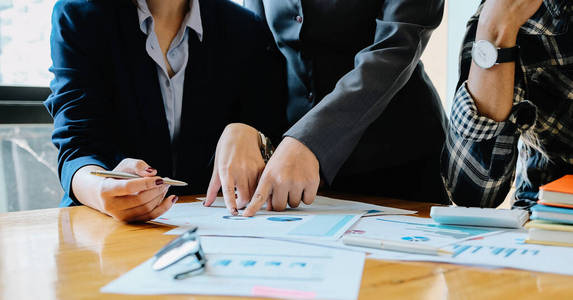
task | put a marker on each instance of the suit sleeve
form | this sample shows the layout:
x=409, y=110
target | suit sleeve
x=333, y=128
x=79, y=100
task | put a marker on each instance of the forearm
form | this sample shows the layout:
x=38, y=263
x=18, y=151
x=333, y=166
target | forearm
x=492, y=89
x=85, y=187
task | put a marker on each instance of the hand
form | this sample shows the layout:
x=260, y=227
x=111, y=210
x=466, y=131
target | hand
x=140, y=199
x=500, y=20
x=238, y=164
x=291, y=176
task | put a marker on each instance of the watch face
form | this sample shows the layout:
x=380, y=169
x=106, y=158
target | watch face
x=484, y=54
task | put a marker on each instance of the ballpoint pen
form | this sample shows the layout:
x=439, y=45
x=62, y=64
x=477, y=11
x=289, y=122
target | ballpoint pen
x=123, y=175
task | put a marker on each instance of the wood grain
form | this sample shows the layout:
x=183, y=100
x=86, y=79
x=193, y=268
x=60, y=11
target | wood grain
x=70, y=253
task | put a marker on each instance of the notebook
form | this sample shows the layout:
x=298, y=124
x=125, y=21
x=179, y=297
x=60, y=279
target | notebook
x=552, y=214
x=546, y=233
x=558, y=191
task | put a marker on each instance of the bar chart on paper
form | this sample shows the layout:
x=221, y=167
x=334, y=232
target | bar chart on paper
x=507, y=249
x=504, y=252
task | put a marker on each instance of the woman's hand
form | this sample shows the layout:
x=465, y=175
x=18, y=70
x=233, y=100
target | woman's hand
x=291, y=176
x=140, y=199
x=238, y=164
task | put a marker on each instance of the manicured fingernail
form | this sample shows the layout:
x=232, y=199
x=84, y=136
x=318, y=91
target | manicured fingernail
x=159, y=181
x=150, y=170
x=175, y=199
x=235, y=212
x=204, y=201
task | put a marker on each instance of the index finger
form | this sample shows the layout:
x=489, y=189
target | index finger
x=228, y=186
x=123, y=187
x=261, y=195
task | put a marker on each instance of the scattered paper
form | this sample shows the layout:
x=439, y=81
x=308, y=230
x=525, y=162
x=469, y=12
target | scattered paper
x=506, y=249
x=218, y=221
x=255, y=267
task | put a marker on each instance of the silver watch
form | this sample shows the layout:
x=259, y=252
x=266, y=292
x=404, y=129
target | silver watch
x=486, y=55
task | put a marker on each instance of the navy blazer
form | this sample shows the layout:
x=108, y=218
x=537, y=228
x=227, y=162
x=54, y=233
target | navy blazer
x=107, y=104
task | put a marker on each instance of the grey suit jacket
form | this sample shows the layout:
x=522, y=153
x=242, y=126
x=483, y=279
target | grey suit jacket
x=358, y=94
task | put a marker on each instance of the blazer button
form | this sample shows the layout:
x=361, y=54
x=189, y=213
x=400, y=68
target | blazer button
x=310, y=97
x=298, y=19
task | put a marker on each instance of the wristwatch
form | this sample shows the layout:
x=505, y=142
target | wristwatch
x=266, y=147
x=486, y=55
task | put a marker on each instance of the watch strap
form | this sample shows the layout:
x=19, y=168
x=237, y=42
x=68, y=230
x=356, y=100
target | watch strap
x=507, y=54
x=266, y=147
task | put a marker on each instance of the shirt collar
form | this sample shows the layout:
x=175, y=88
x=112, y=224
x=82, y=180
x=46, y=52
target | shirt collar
x=192, y=19
x=552, y=18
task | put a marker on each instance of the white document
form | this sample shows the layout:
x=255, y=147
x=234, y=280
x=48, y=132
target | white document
x=325, y=219
x=323, y=204
x=506, y=249
x=218, y=221
x=255, y=267
x=416, y=230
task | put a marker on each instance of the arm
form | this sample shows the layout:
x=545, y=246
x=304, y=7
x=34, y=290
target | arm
x=80, y=104
x=403, y=29
x=479, y=157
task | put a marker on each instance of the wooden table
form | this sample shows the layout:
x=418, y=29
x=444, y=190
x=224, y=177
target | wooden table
x=71, y=253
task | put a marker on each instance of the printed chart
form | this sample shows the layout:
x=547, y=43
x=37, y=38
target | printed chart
x=416, y=230
x=254, y=267
x=504, y=249
x=217, y=221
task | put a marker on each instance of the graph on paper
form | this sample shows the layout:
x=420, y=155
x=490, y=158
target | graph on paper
x=504, y=252
x=416, y=230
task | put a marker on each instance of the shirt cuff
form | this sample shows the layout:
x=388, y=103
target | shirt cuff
x=69, y=169
x=469, y=124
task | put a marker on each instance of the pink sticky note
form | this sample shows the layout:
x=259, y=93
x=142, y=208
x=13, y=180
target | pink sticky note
x=265, y=291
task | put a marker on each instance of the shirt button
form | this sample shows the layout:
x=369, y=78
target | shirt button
x=310, y=97
x=298, y=19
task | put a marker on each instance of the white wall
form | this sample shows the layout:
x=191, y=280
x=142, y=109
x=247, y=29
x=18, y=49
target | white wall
x=459, y=12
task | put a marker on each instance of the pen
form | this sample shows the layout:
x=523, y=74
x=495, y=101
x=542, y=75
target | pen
x=392, y=245
x=122, y=175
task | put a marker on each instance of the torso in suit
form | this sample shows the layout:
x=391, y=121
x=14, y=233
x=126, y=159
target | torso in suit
x=358, y=94
x=106, y=101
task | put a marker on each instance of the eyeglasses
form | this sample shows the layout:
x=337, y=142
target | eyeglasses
x=187, y=245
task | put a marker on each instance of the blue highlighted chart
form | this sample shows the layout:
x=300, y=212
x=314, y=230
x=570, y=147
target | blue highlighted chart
x=416, y=238
x=504, y=252
x=284, y=219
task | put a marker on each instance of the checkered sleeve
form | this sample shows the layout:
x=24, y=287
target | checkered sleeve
x=480, y=154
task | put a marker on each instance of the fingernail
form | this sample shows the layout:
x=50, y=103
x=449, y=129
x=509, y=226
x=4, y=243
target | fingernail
x=235, y=212
x=159, y=181
x=204, y=201
x=150, y=170
x=175, y=199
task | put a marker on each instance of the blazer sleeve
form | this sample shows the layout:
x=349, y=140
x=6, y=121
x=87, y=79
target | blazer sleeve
x=80, y=93
x=333, y=128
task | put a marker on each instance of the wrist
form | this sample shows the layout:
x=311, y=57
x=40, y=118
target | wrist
x=500, y=34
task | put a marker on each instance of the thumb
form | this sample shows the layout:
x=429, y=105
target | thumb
x=136, y=166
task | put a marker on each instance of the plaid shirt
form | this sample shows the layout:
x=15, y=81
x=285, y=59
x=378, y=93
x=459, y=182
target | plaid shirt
x=481, y=156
